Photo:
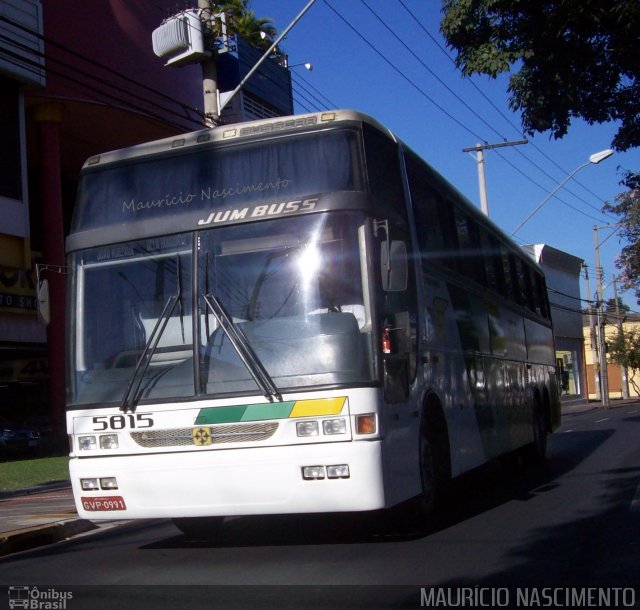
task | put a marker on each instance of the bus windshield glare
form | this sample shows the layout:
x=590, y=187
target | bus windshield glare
x=292, y=287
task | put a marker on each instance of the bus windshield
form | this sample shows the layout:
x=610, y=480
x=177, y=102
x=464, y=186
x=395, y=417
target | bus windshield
x=120, y=294
x=292, y=288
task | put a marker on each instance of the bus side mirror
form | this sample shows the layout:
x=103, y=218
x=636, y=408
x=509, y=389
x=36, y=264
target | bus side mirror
x=394, y=265
x=43, y=301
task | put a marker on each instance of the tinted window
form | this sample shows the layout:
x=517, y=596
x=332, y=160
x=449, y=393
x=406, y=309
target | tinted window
x=425, y=208
x=383, y=170
x=282, y=169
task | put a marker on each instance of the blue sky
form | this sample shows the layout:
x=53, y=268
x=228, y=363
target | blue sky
x=374, y=56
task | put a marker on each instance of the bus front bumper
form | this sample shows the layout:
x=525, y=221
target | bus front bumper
x=269, y=480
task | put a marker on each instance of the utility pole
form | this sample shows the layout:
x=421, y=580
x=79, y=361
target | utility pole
x=592, y=335
x=181, y=40
x=482, y=183
x=623, y=369
x=604, y=376
x=209, y=73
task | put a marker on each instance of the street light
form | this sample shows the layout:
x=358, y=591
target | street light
x=595, y=158
x=307, y=64
x=267, y=53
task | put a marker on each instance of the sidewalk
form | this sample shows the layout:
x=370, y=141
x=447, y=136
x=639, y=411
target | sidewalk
x=30, y=518
x=569, y=407
x=34, y=517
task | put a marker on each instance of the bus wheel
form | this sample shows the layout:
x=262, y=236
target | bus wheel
x=425, y=502
x=536, y=451
x=200, y=528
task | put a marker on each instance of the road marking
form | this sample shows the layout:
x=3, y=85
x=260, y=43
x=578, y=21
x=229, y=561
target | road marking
x=635, y=503
x=598, y=421
x=632, y=412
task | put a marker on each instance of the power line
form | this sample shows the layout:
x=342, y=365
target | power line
x=426, y=67
x=92, y=74
x=504, y=116
x=322, y=99
x=524, y=174
x=402, y=74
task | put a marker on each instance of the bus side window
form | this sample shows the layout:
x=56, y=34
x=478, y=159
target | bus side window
x=491, y=261
x=470, y=261
x=425, y=210
x=449, y=233
x=524, y=293
x=540, y=295
x=529, y=279
x=383, y=167
x=507, y=276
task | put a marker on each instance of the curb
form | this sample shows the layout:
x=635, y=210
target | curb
x=27, y=539
x=38, y=489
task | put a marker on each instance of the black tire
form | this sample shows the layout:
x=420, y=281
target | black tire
x=200, y=528
x=536, y=451
x=419, y=511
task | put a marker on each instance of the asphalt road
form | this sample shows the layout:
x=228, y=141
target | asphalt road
x=569, y=528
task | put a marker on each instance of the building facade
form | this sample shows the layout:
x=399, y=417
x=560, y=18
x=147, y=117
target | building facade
x=615, y=374
x=562, y=271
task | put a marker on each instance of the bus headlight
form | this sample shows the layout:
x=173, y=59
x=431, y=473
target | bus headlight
x=108, y=483
x=311, y=473
x=86, y=443
x=334, y=426
x=307, y=428
x=108, y=441
x=339, y=471
x=103, y=441
x=89, y=484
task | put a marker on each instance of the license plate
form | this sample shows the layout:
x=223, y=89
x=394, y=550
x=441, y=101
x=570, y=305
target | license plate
x=103, y=503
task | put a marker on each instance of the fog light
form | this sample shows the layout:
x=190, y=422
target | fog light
x=334, y=426
x=307, y=428
x=108, y=441
x=86, y=443
x=89, y=484
x=366, y=424
x=108, y=483
x=313, y=472
x=339, y=471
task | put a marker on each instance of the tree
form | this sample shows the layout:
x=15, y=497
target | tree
x=567, y=58
x=260, y=32
x=624, y=349
x=627, y=208
x=611, y=308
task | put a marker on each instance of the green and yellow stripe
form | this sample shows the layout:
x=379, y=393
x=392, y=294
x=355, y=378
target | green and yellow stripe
x=315, y=407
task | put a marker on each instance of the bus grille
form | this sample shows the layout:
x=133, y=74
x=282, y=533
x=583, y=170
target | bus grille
x=183, y=437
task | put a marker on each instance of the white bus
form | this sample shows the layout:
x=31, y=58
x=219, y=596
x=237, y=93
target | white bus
x=290, y=316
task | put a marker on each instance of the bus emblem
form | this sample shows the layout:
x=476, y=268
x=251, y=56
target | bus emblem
x=202, y=436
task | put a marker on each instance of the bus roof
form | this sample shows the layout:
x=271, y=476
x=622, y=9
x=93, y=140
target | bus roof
x=235, y=132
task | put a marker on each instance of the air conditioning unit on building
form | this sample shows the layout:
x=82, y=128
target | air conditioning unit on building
x=180, y=38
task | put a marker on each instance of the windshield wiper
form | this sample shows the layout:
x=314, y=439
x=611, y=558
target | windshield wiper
x=244, y=349
x=129, y=398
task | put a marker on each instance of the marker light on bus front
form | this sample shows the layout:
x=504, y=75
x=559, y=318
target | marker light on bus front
x=318, y=473
x=94, y=484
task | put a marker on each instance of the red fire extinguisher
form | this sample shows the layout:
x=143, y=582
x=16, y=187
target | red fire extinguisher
x=386, y=340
